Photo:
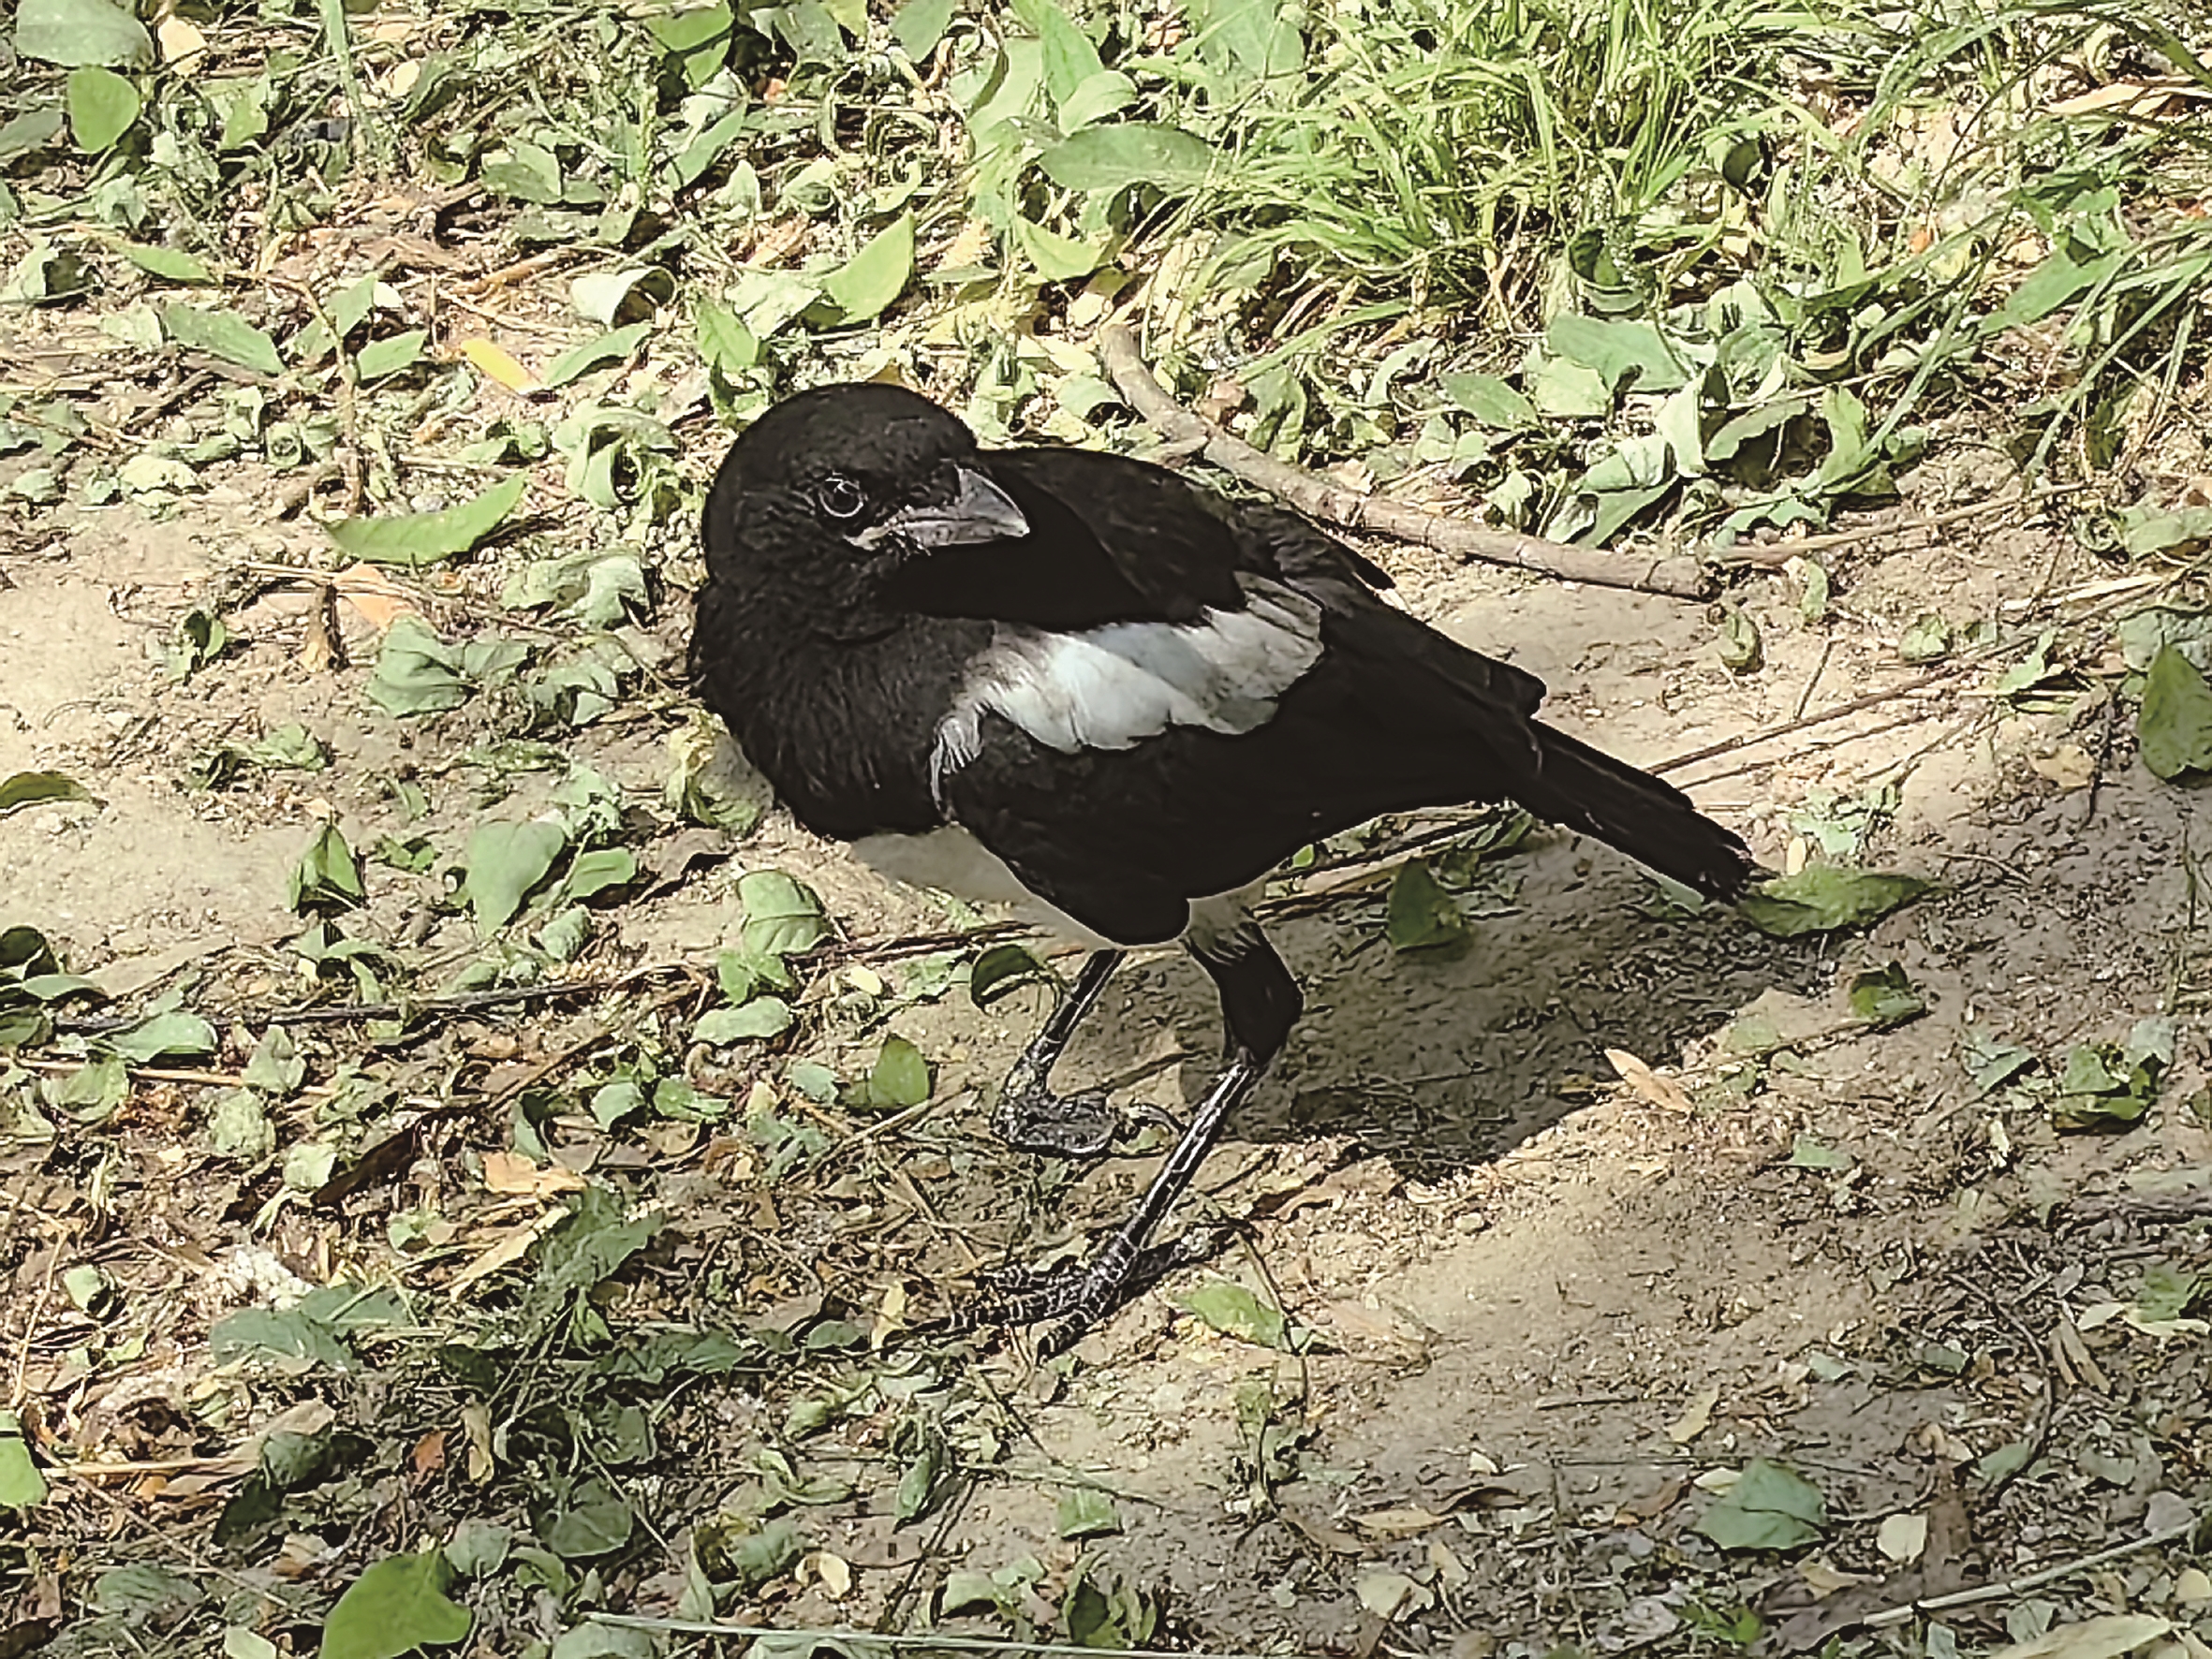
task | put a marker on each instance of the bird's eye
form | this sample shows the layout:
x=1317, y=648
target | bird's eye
x=840, y=498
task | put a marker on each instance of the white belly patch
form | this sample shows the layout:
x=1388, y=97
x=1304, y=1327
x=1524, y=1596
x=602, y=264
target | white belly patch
x=1113, y=687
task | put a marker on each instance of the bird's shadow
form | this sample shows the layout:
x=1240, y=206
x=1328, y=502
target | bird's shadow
x=1440, y=1058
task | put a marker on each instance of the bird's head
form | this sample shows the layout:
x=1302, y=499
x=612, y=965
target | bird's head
x=832, y=491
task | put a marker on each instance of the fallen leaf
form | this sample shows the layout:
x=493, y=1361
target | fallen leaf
x=376, y=596
x=510, y=1172
x=496, y=364
x=510, y=1248
x=1396, y=1523
x=1902, y=1537
x=2091, y=1638
x=1659, y=1090
x=2068, y=766
x=180, y=38
x=1386, y=1595
x=1697, y=1413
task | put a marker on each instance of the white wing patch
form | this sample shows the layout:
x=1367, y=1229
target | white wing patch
x=1113, y=687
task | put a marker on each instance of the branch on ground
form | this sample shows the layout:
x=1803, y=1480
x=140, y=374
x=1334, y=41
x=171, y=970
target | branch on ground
x=1316, y=497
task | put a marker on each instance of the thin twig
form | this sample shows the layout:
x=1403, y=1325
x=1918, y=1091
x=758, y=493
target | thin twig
x=1316, y=497
x=164, y=1074
x=2036, y=1581
x=865, y=1638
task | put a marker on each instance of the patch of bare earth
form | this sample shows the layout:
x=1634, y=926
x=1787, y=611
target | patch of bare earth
x=1544, y=1307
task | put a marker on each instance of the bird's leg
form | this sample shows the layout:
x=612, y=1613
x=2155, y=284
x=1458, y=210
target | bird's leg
x=1029, y=1115
x=1127, y=1263
x=1260, y=1003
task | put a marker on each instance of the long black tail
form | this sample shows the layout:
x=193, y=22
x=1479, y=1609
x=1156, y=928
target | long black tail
x=1653, y=822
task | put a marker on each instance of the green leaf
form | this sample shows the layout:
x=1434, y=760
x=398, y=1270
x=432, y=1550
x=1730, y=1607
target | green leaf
x=597, y=1522
x=22, y=1487
x=753, y=1022
x=173, y=1034
x=1001, y=970
x=1885, y=997
x=1421, y=914
x=102, y=105
x=34, y=130
x=1770, y=1507
x=1822, y=897
x=169, y=264
x=222, y=334
x=504, y=861
x=728, y=346
x=1104, y=93
x=918, y=1485
x=424, y=538
x=238, y=1127
x=95, y=1091
x=859, y=289
x=326, y=877
x=1927, y=640
x=2175, y=726
x=1234, y=1311
x=919, y=26
x=1807, y=1153
x=276, y=1066
x=1129, y=152
x=1624, y=355
x=1490, y=401
x=1057, y=257
x=1070, y=58
x=612, y=346
x=388, y=356
x=783, y=917
x=397, y=1605
x=595, y=872
x=900, y=1077
x=1085, y=1512
x=1251, y=37
x=1743, y=650
x=416, y=672
x=28, y=789
x=73, y=33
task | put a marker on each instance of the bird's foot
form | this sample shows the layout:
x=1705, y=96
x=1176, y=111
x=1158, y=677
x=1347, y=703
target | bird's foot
x=1072, y=1296
x=1033, y=1119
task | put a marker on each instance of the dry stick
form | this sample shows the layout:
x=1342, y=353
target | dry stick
x=924, y=1640
x=1316, y=497
x=2036, y=1581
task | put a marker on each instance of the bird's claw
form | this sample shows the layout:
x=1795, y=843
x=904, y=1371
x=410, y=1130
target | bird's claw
x=1035, y=1120
x=1070, y=1297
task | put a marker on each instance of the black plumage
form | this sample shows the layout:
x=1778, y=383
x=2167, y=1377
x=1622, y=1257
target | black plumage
x=1138, y=697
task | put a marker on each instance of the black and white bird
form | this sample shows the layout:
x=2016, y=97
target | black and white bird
x=1077, y=681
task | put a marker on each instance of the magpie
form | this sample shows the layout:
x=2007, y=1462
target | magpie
x=1080, y=684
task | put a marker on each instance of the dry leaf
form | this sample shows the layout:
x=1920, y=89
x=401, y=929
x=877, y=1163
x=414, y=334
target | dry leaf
x=180, y=38
x=2068, y=766
x=2091, y=1638
x=510, y=1248
x=1697, y=1413
x=497, y=364
x=1824, y=1580
x=1659, y=1090
x=476, y=1422
x=430, y=1452
x=1902, y=1537
x=1396, y=1523
x=510, y=1172
x=379, y=601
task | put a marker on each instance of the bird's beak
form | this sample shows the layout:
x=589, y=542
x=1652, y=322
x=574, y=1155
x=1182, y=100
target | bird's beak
x=979, y=510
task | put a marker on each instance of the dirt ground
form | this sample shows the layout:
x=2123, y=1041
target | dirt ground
x=1545, y=1306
